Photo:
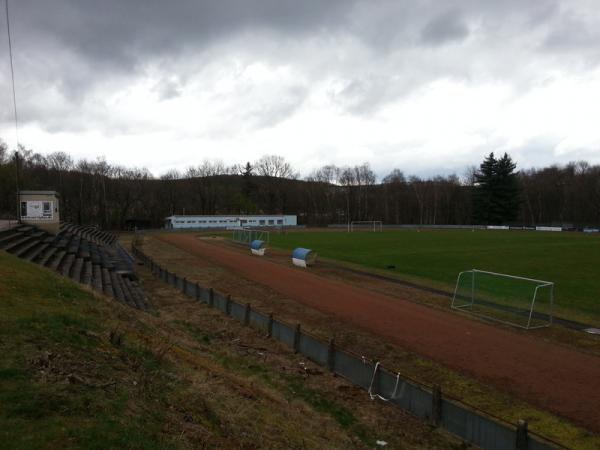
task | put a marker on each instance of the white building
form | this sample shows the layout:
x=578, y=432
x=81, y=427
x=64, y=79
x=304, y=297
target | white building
x=257, y=221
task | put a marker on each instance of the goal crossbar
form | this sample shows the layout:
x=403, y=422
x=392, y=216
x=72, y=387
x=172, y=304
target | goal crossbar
x=374, y=225
x=471, y=299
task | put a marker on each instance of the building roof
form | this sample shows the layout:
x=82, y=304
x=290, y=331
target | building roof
x=39, y=193
x=231, y=215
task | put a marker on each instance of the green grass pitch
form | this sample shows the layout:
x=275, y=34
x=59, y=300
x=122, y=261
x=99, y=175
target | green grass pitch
x=435, y=257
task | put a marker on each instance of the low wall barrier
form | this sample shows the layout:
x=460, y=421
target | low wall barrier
x=426, y=402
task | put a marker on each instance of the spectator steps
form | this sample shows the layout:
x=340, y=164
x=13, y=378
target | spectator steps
x=85, y=254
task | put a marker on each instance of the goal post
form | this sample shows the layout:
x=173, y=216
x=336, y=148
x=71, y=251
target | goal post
x=244, y=235
x=365, y=225
x=519, y=301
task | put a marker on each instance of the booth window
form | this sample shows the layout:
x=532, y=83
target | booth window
x=23, y=209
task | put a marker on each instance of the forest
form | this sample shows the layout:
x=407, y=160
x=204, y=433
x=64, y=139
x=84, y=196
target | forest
x=490, y=192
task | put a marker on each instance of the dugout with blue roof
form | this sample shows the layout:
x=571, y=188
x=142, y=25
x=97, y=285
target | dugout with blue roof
x=257, y=247
x=303, y=257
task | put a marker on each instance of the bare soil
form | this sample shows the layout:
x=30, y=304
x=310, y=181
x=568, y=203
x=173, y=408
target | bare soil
x=554, y=377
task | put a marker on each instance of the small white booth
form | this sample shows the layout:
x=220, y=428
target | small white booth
x=40, y=208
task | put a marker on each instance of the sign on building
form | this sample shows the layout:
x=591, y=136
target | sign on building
x=36, y=209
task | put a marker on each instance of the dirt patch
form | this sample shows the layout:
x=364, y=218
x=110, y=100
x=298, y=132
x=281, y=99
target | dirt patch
x=520, y=364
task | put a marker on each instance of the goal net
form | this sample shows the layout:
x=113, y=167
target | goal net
x=519, y=301
x=366, y=225
x=247, y=235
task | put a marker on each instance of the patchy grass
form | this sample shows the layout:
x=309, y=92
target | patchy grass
x=62, y=383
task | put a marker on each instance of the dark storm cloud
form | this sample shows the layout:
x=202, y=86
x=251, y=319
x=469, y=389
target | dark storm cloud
x=80, y=41
x=123, y=33
x=72, y=45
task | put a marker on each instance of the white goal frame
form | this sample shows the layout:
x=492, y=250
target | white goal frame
x=245, y=235
x=376, y=225
x=470, y=302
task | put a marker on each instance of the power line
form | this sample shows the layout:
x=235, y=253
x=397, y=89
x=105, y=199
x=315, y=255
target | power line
x=12, y=73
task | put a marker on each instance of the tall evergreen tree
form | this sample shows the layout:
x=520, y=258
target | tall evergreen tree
x=508, y=189
x=496, y=197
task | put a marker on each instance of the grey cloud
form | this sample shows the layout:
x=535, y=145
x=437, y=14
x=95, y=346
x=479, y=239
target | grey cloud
x=168, y=89
x=571, y=33
x=361, y=96
x=263, y=107
x=445, y=28
x=70, y=54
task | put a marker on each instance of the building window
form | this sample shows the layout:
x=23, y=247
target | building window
x=279, y=221
x=23, y=209
x=271, y=222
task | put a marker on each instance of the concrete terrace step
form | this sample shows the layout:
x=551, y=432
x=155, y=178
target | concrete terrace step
x=56, y=259
x=44, y=258
x=74, y=246
x=34, y=243
x=85, y=254
x=86, y=274
x=15, y=244
x=76, y=270
x=107, y=287
x=36, y=251
x=97, y=277
x=66, y=264
x=117, y=288
x=136, y=293
x=7, y=237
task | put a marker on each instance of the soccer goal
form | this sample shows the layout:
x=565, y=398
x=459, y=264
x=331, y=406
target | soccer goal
x=519, y=301
x=247, y=235
x=365, y=225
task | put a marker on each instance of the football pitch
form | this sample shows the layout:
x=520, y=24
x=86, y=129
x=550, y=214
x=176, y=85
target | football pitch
x=435, y=257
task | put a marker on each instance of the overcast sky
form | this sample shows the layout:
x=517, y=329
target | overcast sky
x=425, y=86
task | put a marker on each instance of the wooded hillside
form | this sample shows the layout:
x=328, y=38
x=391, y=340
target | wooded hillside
x=116, y=197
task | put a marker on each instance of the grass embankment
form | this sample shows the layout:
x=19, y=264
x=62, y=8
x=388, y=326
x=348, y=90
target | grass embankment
x=79, y=371
x=62, y=382
x=435, y=257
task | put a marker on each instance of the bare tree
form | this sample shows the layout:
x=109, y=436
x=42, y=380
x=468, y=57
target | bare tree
x=274, y=166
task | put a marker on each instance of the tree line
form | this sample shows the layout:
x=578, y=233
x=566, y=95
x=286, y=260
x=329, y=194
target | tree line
x=117, y=197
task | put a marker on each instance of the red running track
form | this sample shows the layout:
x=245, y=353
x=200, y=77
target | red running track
x=553, y=377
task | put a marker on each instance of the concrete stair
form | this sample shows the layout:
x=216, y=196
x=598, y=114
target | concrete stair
x=87, y=255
